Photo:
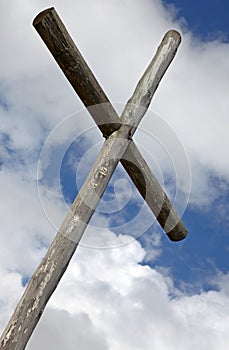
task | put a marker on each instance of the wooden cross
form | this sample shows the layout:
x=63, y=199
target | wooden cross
x=118, y=146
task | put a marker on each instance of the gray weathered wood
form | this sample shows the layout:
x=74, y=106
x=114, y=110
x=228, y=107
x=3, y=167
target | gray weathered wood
x=46, y=277
x=56, y=37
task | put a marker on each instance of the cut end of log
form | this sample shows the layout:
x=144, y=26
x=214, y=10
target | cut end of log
x=173, y=33
x=178, y=233
x=42, y=14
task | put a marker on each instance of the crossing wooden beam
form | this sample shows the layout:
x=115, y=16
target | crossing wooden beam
x=59, y=42
x=118, y=142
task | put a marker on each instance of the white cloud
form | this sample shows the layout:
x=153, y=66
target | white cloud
x=10, y=292
x=55, y=332
x=131, y=306
x=24, y=226
x=107, y=298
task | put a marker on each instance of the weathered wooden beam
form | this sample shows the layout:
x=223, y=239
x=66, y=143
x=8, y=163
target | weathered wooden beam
x=55, y=35
x=46, y=277
x=59, y=42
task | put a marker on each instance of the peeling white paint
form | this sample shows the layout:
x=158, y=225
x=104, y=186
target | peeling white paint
x=8, y=334
x=72, y=225
x=42, y=287
x=28, y=313
x=103, y=171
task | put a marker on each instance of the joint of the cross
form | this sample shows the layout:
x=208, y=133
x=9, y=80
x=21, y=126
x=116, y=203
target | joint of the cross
x=109, y=129
x=124, y=131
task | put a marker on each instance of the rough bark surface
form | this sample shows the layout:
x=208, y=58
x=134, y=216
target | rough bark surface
x=59, y=42
x=45, y=279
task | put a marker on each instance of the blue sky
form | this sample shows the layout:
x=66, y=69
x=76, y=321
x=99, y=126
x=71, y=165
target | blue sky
x=126, y=271
x=206, y=248
x=207, y=19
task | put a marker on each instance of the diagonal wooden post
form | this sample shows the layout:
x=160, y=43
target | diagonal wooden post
x=55, y=35
x=46, y=277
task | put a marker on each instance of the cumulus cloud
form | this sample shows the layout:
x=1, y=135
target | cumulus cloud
x=108, y=295
x=10, y=292
x=55, y=332
x=24, y=226
x=107, y=299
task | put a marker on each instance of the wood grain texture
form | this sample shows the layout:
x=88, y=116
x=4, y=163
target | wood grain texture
x=56, y=37
x=46, y=277
x=60, y=44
